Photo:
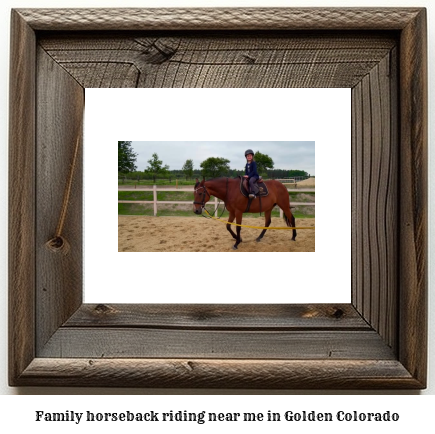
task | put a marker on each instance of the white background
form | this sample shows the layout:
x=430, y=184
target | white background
x=320, y=115
x=17, y=410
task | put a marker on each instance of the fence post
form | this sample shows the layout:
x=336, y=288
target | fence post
x=155, y=199
x=280, y=213
x=215, y=207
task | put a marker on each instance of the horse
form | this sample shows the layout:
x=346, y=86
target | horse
x=229, y=191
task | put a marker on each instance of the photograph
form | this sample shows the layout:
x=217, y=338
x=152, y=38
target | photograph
x=253, y=187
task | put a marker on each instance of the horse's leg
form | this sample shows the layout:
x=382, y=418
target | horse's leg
x=294, y=225
x=290, y=220
x=239, y=215
x=231, y=218
x=267, y=221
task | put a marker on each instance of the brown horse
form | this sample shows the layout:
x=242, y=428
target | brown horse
x=228, y=190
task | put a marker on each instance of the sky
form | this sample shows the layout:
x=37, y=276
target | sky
x=285, y=155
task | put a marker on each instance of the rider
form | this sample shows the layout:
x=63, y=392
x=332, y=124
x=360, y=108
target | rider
x=251, y=172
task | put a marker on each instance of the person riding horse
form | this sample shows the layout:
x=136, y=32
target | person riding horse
x=251, y=173
x=228, y=190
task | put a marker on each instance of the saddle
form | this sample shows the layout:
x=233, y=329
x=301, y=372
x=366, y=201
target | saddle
x=244, y=187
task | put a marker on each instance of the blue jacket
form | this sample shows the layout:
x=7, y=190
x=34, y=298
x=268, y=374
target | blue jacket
x=251, y=170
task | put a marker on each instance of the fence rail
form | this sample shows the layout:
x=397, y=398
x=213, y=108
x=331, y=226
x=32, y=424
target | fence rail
x=216, y=203
x=292, y=179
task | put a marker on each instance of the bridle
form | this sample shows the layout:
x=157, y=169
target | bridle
x=204, y=195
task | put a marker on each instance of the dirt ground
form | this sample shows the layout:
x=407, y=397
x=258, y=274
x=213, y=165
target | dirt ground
x=198, y=234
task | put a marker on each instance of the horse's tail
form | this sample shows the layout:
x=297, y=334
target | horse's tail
x=287, y=221
x=291, y=224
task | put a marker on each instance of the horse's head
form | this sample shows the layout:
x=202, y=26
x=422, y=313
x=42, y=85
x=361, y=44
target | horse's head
x=201, y=196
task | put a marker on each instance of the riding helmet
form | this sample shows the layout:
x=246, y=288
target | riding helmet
x=249, y=151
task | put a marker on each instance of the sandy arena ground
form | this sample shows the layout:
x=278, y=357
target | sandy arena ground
x=307, y=183
x=198, y=234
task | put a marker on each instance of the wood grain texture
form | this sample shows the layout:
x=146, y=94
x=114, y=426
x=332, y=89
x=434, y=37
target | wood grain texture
x=21, y=197
x=375, y=200
x=378, y=342
x=220, y=18
x=59, y=277
x=235, y=60
x=127, y=342
x=413, y=198
x=220, y=317
x=228, y=374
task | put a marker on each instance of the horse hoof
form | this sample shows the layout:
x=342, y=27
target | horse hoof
x=258, y=239
x=235, y=248
x=293, y=239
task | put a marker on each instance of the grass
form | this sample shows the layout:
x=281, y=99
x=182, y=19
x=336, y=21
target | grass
x=161, y=195
x=135, y=195
x=301, y=196
x=134, y=209
x=187, y=196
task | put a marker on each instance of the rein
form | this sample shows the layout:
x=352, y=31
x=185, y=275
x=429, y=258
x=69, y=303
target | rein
x=203, y=200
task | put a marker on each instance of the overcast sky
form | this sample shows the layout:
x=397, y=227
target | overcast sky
x=285, y=155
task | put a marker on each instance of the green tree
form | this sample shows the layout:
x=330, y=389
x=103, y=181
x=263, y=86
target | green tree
x=155, y=167
x=264, y=162
x=293, y=173
x=188, y=169
x=126, y=157
x=213, y=167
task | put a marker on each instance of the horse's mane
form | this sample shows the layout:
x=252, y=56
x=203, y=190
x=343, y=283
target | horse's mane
x=216, y=179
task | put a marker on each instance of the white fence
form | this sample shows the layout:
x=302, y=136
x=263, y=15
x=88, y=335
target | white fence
x=293, y=180
x=155, y=201
x=286, y=180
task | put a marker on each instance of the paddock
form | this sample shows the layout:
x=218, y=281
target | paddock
x=198, y=234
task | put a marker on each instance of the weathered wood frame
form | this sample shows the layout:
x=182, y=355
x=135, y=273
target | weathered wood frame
x=377, y=341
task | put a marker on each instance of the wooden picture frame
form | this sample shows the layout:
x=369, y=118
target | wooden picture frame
x=376, y=342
